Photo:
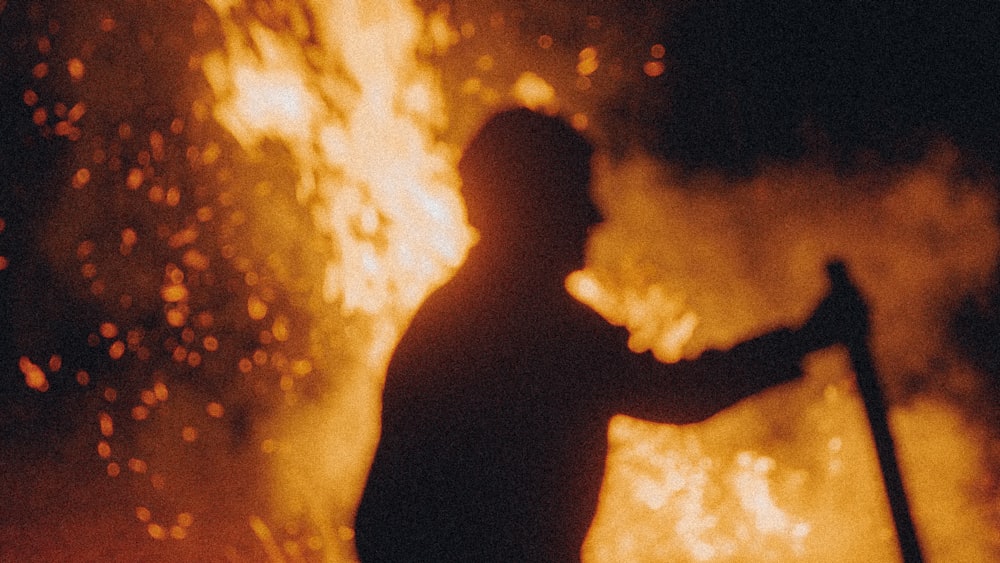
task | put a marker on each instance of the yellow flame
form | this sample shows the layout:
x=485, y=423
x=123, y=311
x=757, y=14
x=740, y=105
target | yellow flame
x=340, y=88
x=357, y=111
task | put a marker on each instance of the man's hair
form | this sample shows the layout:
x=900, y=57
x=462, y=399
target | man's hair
x=524, y=160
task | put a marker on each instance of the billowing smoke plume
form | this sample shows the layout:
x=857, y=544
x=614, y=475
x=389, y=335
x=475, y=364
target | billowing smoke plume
x=702, y=262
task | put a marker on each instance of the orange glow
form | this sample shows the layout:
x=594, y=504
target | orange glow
x=129, y=238
x=172, y=197
x=533, y=92
x=176, y=317
x=259, y=357
x=653, y=68
x=160, y=391
x=214, y=410
x=485, y=63
x=210, y=343
x=156, y=531
x=156, y=194
x=137, y=465
x=256, y=308
x=205, y=214
x=174, y=293
x=76, y=112
x=268, y=446
x=185, y=519
x=135, y=179
x=85, y=248
x=81, y=178
x=34, y=377
x=182, y=238
x=301, y=367
x=589, y=62
x=281, y=329
x=195, y=260
x=156, y=143
x=108, y=330
x=189, y=434
x=75, y=68
x=107, y=426
x=116, y=350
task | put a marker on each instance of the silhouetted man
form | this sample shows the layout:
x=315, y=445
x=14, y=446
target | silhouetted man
x=498, y=398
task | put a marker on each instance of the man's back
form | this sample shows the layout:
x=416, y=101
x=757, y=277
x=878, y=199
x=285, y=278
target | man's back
x=495, y=416
x=493, y=437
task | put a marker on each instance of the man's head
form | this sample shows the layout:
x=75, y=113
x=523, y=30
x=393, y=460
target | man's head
x=527, y=175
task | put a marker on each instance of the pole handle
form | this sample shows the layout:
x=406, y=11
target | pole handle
x=878, y=421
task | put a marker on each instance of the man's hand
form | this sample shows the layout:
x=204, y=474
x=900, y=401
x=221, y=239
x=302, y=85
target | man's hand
x=841, y=317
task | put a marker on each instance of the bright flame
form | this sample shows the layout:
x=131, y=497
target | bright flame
x=343, y=92
x=357, y=111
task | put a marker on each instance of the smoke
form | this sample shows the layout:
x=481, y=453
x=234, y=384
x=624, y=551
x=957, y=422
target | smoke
x=781, y=135
x=744, y=256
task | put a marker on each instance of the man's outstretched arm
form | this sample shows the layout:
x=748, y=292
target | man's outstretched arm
x=692, y=391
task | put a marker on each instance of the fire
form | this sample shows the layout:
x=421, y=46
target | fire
x=341, y=89
x=320, y=141
x=358, y=112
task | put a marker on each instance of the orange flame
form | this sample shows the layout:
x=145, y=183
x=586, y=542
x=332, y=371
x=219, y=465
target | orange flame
x=358, y=113
x=340, y=88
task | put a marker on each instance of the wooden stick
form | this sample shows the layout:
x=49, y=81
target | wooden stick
x=871, y=394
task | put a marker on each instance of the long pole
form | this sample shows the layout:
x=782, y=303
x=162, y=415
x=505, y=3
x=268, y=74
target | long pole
x=871, y=394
